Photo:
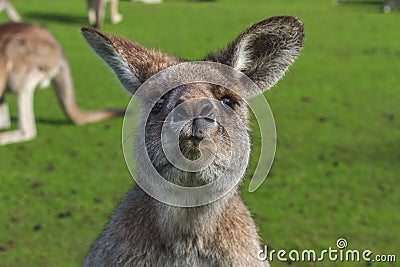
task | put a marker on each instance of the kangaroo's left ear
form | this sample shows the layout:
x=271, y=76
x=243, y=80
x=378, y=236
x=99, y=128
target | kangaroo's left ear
x=264, y=51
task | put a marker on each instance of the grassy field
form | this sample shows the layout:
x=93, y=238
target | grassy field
x=337, y=166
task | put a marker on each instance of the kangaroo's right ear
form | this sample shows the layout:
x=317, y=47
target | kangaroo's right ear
x=132, y=63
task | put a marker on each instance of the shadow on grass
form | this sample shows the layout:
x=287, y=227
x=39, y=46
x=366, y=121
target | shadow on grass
x=54, y=121
x=355, y=2
x=377, y=5
x=14, y=120
x=56, y=17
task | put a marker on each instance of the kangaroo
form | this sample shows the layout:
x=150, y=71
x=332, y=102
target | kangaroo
x=31, y=57
x=97, y=9
x=146, y=232
x=10, y=10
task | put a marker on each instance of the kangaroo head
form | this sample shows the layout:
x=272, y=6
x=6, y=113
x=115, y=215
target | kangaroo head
x=200, y=111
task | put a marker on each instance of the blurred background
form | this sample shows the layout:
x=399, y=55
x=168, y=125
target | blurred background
x=337, y=167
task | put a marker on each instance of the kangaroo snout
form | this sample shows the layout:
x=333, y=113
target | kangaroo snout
x=197, y=116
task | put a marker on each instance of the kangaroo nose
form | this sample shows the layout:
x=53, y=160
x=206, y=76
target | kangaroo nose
x=206, y=110
x=181, y=112
x=202, y=109
x=204, y=122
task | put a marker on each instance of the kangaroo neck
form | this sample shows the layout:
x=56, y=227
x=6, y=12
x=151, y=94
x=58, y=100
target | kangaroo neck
x=177, y=222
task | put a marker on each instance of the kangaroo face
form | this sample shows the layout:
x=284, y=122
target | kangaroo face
x=201, y=120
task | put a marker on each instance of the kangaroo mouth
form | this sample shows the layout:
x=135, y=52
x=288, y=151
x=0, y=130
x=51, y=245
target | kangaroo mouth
x=190, y=147
x=195, y=140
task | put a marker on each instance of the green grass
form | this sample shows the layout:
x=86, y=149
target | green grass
x=337, y=167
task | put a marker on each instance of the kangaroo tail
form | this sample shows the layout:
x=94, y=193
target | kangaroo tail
x=10, y=10
x=64, y=88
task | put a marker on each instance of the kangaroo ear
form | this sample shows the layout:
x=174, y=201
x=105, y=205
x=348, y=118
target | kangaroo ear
x=264, y=51
x=132, y=63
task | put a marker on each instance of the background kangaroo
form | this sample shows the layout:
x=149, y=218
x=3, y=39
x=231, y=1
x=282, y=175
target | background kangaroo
x=10, y=10
x=30, y=57
x=146, y=232
x=97, y=9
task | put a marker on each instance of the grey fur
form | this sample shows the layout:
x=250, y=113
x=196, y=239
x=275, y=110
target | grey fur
x=146, y=232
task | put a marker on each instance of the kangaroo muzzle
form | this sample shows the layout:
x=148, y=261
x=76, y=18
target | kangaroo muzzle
x=196, y=117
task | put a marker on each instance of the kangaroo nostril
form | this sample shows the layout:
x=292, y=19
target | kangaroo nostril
x=209, y=119
x=207, y=109
x=204, y=123
x=180, y=113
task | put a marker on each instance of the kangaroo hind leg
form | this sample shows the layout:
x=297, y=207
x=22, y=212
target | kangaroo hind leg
x=26, y=119
x=115, y=16
x=91, y=7
x=4, y=113
x=100, y=12
x=5, y=122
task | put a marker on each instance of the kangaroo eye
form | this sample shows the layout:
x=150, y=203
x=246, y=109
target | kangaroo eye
x=227, y=100
x=160, y=102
